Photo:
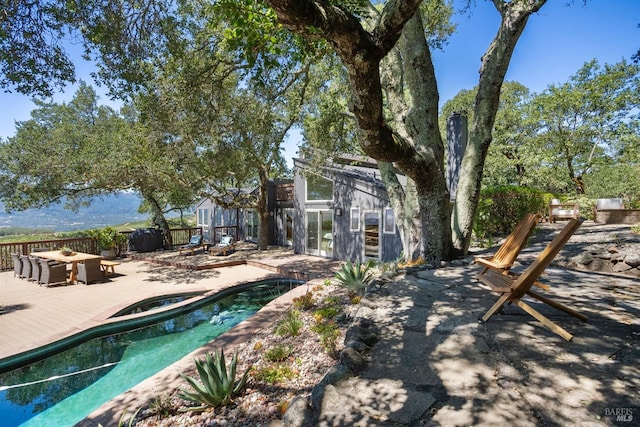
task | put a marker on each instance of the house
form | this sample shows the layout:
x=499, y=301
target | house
x=242, y=223
x=342, y=211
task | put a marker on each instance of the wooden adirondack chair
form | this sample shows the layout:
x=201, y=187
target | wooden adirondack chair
x=506, y=255
x=514, y=287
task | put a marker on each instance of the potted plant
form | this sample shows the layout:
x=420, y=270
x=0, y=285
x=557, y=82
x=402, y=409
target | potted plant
x=108, y=240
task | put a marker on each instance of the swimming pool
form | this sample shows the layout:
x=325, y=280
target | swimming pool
x=63, y=388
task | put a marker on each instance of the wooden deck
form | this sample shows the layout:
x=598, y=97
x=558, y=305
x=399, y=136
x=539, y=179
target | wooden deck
x=33, y=315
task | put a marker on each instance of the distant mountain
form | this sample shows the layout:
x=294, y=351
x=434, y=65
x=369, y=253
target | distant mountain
x=108, y=210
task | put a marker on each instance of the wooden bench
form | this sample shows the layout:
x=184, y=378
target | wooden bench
x=108, y=266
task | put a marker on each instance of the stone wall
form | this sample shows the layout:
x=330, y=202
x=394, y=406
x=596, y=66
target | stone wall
x=617, y=216
x=613, y=259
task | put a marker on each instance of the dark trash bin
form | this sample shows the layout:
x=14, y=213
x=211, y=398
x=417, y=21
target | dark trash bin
x=146, y=240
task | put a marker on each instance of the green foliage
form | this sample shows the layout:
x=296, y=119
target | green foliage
x=274, y=374
x=326, y=313
x=161, y=405
x=217, y=385
x=329, y=334
x=290, y=325
x=501, y=208
x=278, y=353
x=355, y=277
x=107, y=237
x=304, y=302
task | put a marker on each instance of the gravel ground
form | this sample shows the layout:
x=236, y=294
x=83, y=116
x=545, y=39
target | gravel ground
x=263, y=400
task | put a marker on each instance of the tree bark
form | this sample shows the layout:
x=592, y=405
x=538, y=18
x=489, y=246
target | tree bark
x=262, y=209
x=492, y=71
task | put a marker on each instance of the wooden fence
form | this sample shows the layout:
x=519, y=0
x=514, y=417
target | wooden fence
x=180, y=236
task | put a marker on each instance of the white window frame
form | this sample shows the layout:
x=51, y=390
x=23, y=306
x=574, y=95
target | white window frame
x=388, y=228
x=354, y=214
x=202, y=217
x=306, y=189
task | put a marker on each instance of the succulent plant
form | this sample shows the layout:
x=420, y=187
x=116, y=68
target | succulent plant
x=217, y=385
x=355, y=277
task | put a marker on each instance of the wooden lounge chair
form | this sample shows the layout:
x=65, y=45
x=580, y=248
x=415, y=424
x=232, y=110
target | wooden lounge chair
x=226, y=244
x=89, y=271
x=506, y=255
x=194, y=244
x=514, y=287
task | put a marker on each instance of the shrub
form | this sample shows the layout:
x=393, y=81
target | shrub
x=355, y=277
x=500, y=209
x=278, y=353
x=304, y=302
x=274, y=374
x=161, y=405
x=325, y=313
x=218, y=385
x=329, y=334
x=290, y=325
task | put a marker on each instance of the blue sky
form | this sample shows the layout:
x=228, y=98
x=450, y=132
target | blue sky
x=556, y=43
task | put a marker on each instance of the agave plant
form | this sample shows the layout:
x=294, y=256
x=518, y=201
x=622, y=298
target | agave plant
x=218, y=386
x=355, y=277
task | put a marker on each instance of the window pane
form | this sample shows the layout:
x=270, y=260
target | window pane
x=319, y=188
x=354, y=224
x=371, y=234
x=389, y=221
x=312, y=231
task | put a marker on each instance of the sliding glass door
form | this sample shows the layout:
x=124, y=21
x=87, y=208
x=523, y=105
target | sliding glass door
x=320, y=233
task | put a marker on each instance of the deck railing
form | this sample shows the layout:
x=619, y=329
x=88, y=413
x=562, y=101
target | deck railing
x=180, y=236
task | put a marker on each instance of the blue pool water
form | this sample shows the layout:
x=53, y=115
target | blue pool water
x=64, y=388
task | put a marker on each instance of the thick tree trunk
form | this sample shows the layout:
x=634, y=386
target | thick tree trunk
x=159, y=220
x=262, y=209
x=492, y=71
x=423, y=208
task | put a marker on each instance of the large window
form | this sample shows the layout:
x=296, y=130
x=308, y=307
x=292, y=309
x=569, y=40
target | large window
x=203, y=217
x=318, y=188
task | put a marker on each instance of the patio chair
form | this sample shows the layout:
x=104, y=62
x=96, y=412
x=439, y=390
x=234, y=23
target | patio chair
x=52, y=273
x=225, y=245
x=89, y=271
x=514, y=287
x=17, y=265
x=36, y=269
x=194, y=244
x=506, y=255
x=559, y=210
x=26, y=267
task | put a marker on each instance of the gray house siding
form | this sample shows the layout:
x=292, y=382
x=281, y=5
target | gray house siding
x=353, y=187
x=217, y=216
x=279, y=207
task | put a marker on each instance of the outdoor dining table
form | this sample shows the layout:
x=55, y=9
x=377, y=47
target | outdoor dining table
x=74, y=258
